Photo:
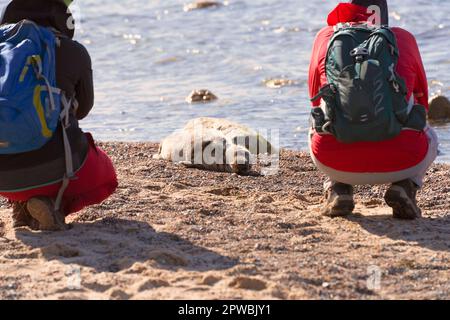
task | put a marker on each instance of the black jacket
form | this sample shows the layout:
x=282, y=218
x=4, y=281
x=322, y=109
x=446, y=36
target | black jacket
x=74, y=77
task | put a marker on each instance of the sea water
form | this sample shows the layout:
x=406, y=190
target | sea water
x=149, y=55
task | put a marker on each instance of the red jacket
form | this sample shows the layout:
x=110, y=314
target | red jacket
x=403, y=152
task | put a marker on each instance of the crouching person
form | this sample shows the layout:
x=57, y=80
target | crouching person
x=49, y=168
x=370, y=97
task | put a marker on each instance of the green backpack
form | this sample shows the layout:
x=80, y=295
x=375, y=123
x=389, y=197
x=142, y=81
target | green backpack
x=365, y=98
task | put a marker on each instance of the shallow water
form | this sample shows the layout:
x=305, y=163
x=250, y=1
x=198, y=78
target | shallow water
x=149, y=55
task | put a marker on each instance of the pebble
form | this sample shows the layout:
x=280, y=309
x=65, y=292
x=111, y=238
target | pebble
x=201, y=5
x=278, y=83
x=202, y=96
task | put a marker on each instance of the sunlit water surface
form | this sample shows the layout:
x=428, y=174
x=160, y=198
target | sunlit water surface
x=149, y=55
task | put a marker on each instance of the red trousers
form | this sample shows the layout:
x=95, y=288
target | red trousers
x=95, y=181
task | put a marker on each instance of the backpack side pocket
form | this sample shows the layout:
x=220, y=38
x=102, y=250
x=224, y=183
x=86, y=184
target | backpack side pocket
x=417, y=118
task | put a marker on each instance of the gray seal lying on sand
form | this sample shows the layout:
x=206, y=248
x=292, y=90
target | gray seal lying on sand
x=237, y=133
x=439, y=109
x=214, y=144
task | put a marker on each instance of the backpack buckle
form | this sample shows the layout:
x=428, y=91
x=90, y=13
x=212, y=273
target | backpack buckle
x=326, y=91
x=359, y=53
x=396, y=86
x=319, y=122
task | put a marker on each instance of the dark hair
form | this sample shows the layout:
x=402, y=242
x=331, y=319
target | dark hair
x=47, y=13
x=382, y=4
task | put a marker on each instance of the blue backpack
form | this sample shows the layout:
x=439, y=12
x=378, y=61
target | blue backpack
x=31, y=106
x=30, y=103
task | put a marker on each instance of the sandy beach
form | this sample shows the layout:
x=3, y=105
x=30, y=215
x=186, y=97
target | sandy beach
x=175, y=233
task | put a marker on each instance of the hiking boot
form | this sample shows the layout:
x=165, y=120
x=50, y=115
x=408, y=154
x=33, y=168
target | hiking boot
x=21, y=216
x=401, y=197
x=42, y=209
x=339, y=201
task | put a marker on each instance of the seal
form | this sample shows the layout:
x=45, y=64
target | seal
x=237, y=133
x=214, y=144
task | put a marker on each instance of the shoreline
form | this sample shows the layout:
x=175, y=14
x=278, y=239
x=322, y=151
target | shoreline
x=175, y=233
x=303, y=151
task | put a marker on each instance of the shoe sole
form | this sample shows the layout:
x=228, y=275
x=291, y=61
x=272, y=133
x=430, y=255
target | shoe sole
x=403, y=207
x=19, y=224
x=48, y=219
x=342, y=206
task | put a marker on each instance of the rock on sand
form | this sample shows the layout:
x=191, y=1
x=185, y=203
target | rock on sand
x=439, y=109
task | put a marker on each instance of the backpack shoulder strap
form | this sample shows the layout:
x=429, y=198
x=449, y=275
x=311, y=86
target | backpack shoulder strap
x=58, y=35
x=69, y=175
x=348, y=29
x=389, y=35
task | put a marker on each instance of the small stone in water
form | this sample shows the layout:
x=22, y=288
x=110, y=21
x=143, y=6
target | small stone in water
x=201, y=96
x=201, y=5
x=278, y=83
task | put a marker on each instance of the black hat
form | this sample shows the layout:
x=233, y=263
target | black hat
x=382, y=4
x=47, y=13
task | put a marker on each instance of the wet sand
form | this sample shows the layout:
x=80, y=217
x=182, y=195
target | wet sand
x=176, y=233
